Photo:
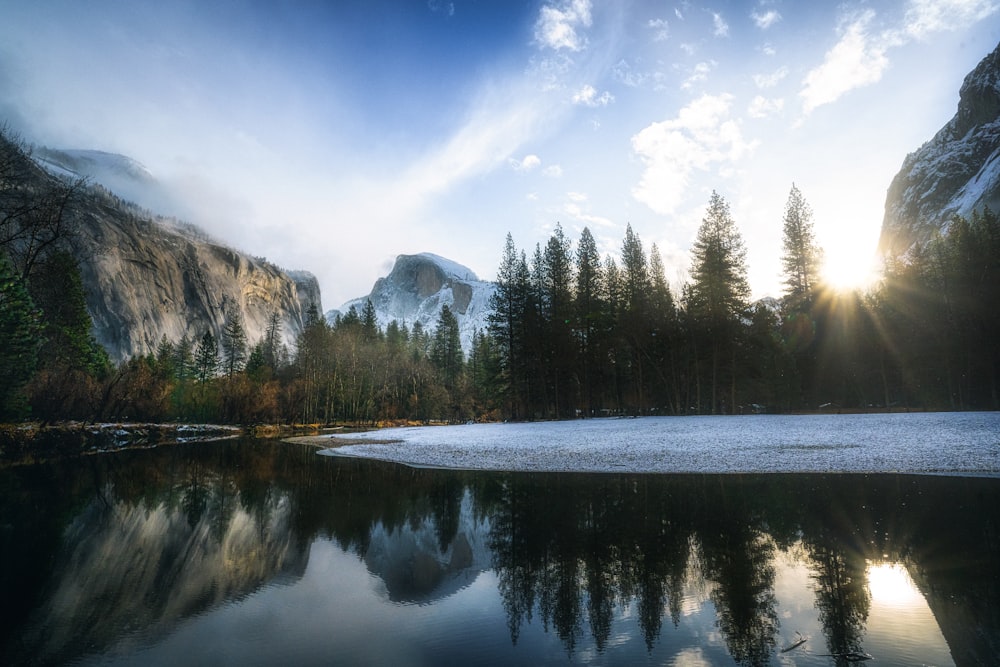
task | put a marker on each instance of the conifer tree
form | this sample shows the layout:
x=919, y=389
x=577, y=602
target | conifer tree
x=20, y=331
x=719, y=294
x=234, y=343
x=206, y=358
x=446, y=350
x=589, y=303
x=802, y=257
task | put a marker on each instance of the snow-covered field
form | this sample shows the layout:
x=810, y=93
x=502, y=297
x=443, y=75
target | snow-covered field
x=956, y=442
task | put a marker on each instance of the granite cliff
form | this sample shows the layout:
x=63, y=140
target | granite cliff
x=146, y=277
x=419, y=286
x=955, y=173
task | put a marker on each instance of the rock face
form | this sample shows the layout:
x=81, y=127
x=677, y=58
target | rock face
x=145, y=280
x=956, y=172
x=416, y=289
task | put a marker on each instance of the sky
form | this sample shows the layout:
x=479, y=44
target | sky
x=334, y=136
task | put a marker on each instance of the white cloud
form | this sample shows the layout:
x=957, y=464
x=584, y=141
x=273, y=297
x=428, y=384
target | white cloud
x=662, y=29
x=768, y=49
x=924, y=17
x=762, y=107
x=702, y=135
x=527, y=163
x=552, y=171
x=719, y=26
x=558, y=24
x=766, y=19
x=698, y=74
x=624, y=73
x=857, y=60
x=588, y=97
x=578, y=210
x=441, y=7
x=770, y=80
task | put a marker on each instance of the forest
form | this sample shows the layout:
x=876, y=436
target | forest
x=571, y=334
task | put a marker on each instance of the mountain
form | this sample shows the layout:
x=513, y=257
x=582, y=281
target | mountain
x=127, y=178
x=956, y=172
x=145, y=280
x=416, y=289
x=147, y=277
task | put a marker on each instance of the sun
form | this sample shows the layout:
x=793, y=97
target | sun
x=846, y=269
x=890, y=584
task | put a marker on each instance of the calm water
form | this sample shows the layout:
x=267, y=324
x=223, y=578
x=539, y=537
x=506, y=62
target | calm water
x=258, y=553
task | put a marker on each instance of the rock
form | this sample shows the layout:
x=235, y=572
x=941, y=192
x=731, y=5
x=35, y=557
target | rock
x=417, y=288
x=954, y=173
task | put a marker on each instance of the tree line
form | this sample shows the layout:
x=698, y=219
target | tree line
x=571, y=333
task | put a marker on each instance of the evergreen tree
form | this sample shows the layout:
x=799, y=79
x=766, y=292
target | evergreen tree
x=57, y=289
x=206, y=358
x=446, y=350
x=20, y=331
x=589, y=304
x=556, y=299
x=718, y=296
x=272, y=345
x=802, y=257
x=634, y=318
x=234, y=343
x=369, y=322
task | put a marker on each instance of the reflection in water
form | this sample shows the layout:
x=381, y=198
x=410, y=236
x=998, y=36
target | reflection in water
x=113, y=557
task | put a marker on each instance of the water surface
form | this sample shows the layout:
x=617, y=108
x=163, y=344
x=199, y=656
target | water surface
x=255, y=553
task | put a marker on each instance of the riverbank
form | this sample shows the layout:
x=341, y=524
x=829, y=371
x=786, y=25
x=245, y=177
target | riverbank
x=965, y=443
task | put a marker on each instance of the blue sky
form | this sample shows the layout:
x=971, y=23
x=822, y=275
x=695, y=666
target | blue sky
x=333, y=136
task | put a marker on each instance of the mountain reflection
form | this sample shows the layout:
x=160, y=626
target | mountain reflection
x=111, y=552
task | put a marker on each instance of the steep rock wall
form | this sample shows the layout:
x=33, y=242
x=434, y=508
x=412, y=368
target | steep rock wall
x=956, y=172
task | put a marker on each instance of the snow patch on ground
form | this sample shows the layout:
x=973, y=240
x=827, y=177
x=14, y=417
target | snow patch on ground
x=964, y=443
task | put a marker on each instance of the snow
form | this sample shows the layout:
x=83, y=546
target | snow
x=393, y=303
x=955, y=443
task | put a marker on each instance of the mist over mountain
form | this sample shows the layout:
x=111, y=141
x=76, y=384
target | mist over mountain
x=418, y=287
x=147, y=277
x=955, y=173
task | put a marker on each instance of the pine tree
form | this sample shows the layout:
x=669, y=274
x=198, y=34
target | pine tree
x=719, y=294
x=556, y=297
x=206, y=358
x=369, y=322
x=20, y=331
x=802, y=257
x=57, y=289
x=446, y=349
x=589, y=304
x=234, y=343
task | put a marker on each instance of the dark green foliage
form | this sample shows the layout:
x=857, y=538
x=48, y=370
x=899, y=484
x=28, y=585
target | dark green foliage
x=234, y=343
x=20, y=331
x=56, y=288
x=206, y=358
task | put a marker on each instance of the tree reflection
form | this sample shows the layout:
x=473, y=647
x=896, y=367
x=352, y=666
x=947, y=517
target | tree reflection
x=579, y=553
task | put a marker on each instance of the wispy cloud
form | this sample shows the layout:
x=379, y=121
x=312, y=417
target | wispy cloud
x=702, y=135
x=770, y=80
x=588, y=97
x=559, y=24
x=577, y=209
x=857, y=60
x=698, y=74
x=527, y=163
x=441, y=7
x=860, y=56
x=765, y=20
x=660, y=28
x=924, y=17
x=719, y=26
x=761, y=107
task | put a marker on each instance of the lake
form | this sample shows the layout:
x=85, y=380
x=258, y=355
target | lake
x=257, y=552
